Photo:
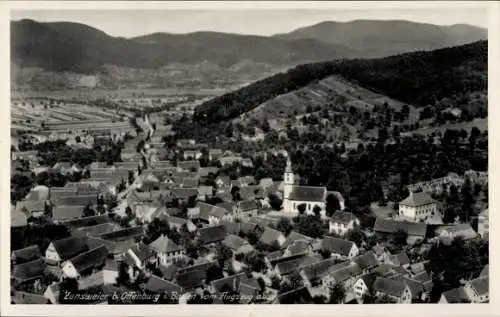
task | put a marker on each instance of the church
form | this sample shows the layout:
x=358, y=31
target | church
x=294, y=195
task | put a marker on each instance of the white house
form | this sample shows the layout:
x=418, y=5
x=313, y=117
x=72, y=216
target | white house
x=395, y=289
x=340, y=248
x=364, y=285
x=417, y=207
x=167, y=251
x=86, y=263
x=342, y=222
x=295, y=196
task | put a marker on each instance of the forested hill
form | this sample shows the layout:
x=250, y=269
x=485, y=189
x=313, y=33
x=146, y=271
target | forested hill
x=418, y=78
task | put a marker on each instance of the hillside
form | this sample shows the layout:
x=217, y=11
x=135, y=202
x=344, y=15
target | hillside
x=383, y=38
x=65, y=46
x=419, y=78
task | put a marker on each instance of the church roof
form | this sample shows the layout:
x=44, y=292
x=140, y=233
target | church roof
x=417, y=199
x=307, y=193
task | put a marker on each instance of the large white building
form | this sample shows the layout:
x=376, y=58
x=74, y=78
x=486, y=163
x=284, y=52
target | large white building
x=417, y=207
x=294, y=195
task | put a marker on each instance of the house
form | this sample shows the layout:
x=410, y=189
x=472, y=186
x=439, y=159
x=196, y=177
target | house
x=28, y=271
x=87, y=221
x=85, y=263
x=214, y=154
x=205, y=192
x=247, y=287
x=455, y=295
x=294, y=237
x=485, y=271
x=272, y=237
x=183, y=194
x=102, y=275
x=147, y=212
x=189, y=182
x=265, y=183
x=61, y=250
x=217, y=214
x=97, y=230
x=295, y=196
x=247, y=207
x=342, y=222
x=288, y=266
x=417, y=207
x=24, y=255
x=400, y=259
x=192, y=166
x=77, y=200
x=211, y=235
x=166, y=251
x=367, y=262
x=193, y=276
x=230, y=160
x=31, y=208
x=364, y=284
x=52, y=293
x=64, y=213
x=237, y=244
x=178, y=223
x=23, y=298
x=394, y=289
x=339, y=248
x=18, y=219
x=138, y=256
x=416, y=231
x=246, y=162
x=478, y=290
x=192, y=155
x=223, y=182
x=449, y=232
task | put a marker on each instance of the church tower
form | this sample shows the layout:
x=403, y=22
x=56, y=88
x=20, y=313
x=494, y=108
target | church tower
x=288, y=179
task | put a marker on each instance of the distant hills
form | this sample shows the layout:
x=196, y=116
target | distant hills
x=209, y=58
x=418, y=78
x=383, y=38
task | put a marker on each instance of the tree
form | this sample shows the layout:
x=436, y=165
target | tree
x=301, y=208
x=337, y=294
x=214, y=272
x=130, y=177
x=332, y=204
x=67, y=285
x=224, y=253
x=284, y=225
x=88, y=211
x=317, y=211
x=123, y=276
x=357, y=236
x=399, y=237
x=275, y=201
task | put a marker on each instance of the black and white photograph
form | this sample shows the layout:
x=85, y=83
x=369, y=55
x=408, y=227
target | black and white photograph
x=251, y=156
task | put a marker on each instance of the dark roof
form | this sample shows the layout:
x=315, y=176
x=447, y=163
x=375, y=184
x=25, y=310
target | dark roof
x=141, y=251
x=190, y=182
x=212, y=234
x=158, y=285
x=77, y=200
x=90, y=259
x=456, y=295
x=417, y=199
x=343, y=217
x=227, y=206
x=27, y=254
x=369, y=279
x=390, y=226
x=344, y=272
x=234, y=242
x=70, y=247
x=389, y=287
x=337, y=245
x=184, y=192
x=366, y=260
x=416, y=287
x=400, y=259
x=87, y=221
x=230, y=280
x=188, y=165
x=123, y=234
x=319, y=269
x=29, y=270
x=191, y=279
x=61, y=212
x=308, y=193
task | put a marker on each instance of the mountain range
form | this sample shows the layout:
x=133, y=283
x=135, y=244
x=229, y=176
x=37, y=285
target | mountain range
x=211, y=57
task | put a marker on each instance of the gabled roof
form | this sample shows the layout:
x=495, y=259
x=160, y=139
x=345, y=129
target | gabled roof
x=322, y=268
x=345, y=272
x=463, y=230
x=485, y=271
x=188, y=165
x=164, y=245
x=69, y=247
x=18, y=219
x=87, y=221
x=389, y=287
x=337, y=245
x=369, y=279
x=417, y=199
x=270, y=236
x=99, y=229
x=123, y=234
x=29, y=298
x=141, y=251
x=90, y=259
x=61, y=212
x=27, y=254
x=416, y=287
x=77, y=200
x=168, y=272
x=400, y=259
x=205, y=190
x=191, y=279
x=308, y=193
x=391, y=226
x=158, y=285
x=29, y=206
x=230, y=280
x=248, y=205
x=295, y=264
x=212, y=234
x=29, y=270
x=366, y=260
x=227, y=206
x=189, y=182
x=184, y=193
x=234, y=242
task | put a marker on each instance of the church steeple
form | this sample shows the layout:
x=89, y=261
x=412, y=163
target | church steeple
x=288, y=168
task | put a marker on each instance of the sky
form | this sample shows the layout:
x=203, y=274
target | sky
x=264, y=21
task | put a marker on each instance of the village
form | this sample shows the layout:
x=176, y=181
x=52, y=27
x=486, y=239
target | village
x=144, y=229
